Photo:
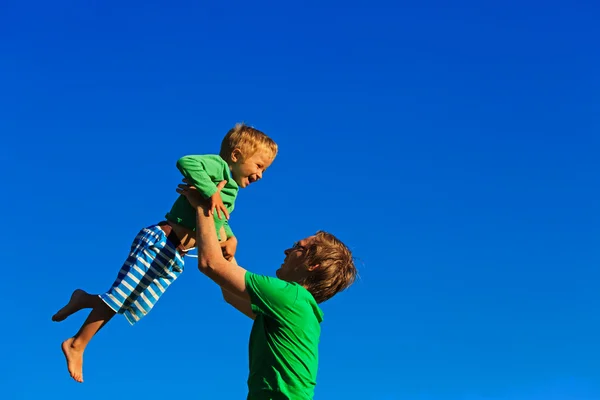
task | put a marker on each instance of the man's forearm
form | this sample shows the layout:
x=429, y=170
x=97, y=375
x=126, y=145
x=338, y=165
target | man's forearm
x=211, y=262
x=209, y=250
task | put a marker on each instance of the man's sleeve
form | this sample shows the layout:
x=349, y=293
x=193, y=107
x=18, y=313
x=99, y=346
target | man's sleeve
x=198, y=169
x=270, y=296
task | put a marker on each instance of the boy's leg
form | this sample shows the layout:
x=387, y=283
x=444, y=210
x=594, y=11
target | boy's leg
x=145, y=275
x=74, y=347
x=79, y=300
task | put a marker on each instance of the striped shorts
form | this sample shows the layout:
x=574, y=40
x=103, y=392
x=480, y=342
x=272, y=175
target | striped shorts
x=153, y=264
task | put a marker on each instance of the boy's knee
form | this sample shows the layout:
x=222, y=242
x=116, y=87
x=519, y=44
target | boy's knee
x=222, y=234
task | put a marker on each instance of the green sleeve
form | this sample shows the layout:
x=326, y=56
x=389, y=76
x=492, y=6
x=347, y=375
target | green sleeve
x=228, y=230
x=200, y=170
x=270, y=296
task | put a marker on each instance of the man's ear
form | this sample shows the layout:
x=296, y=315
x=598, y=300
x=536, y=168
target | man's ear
x=236, y=155
x=313, y=267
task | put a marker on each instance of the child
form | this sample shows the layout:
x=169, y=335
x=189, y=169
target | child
x=156, y=256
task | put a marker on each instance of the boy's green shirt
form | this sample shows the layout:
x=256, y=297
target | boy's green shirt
x=205, y=172
x=284, y=343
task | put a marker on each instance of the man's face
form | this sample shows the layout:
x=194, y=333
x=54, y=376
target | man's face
x=294, y=268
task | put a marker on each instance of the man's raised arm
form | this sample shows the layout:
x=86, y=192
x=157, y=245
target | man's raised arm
x=211, y=262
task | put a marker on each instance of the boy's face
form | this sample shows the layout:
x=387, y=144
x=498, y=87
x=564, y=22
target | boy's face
x=249, y=170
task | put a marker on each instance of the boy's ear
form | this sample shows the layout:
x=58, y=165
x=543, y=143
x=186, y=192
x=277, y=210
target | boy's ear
x=313, y=267
x=236, y=155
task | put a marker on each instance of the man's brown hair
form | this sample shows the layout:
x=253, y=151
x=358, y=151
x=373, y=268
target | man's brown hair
x=335, y=266
x=249, y=140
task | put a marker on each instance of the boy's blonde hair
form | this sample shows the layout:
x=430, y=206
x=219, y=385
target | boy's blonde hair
x=336, y=270
x=249, y=140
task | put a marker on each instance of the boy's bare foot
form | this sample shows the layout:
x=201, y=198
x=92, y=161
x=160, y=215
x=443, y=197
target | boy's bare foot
x=74, y=360
x=72, y=306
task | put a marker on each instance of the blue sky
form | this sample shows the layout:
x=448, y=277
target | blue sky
x=453, y=146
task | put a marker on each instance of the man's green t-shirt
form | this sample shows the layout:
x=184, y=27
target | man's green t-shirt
x=284, y=343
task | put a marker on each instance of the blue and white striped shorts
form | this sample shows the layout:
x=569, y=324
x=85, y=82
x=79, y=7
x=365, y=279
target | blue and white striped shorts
x=153, y=264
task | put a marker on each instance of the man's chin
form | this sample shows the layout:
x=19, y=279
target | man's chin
x=277, y=273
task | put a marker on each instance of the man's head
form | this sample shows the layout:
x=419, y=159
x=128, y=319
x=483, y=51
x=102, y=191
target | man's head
x=321, y=263
x=249, y=152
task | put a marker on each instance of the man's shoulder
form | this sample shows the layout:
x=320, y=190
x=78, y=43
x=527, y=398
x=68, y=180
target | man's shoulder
x=255, y=279
x=265, y=288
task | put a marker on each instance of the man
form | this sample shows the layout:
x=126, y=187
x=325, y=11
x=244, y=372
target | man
x=286, y=330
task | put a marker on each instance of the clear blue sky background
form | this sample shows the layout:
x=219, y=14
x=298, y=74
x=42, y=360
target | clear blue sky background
x=453, y=145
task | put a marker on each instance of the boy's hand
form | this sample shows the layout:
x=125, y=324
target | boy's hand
x=229, y=247
x=217, y=203
x=196, y=199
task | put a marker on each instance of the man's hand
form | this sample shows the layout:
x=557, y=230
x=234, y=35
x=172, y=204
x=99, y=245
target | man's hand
x=228, y=247
x=211, y=262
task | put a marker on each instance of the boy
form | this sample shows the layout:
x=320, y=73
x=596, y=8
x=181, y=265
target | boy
x=156, y=256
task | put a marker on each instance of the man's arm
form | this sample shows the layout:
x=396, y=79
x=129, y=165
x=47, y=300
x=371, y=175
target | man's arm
x=269, y=295
x=228, y=275
x=228, y=242
x=242, y=305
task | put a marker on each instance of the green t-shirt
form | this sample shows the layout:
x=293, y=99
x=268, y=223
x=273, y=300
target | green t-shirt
x=284, y=343
x=205, y=171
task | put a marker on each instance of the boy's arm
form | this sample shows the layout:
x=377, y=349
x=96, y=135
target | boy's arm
x=200, y=171
x=241, y=304
x=197, y=170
